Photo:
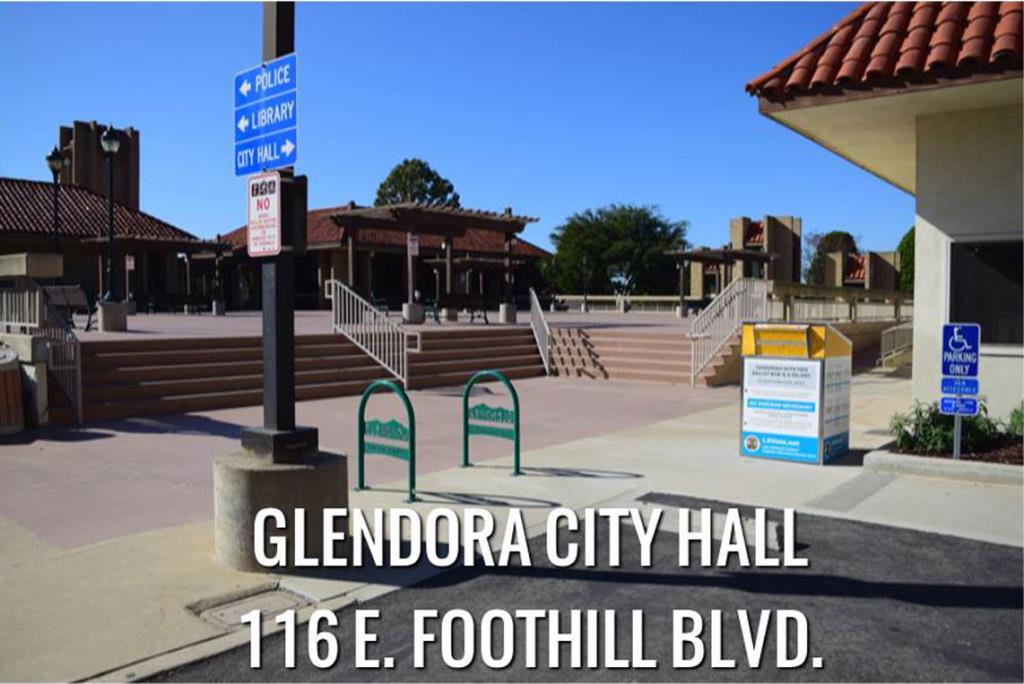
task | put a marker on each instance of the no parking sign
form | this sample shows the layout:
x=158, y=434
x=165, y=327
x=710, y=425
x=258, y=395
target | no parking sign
x=264, y=233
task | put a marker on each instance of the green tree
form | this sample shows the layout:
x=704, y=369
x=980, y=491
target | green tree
x=415, y=181
x=818, y=245
x=905, y=253
x=616, y=249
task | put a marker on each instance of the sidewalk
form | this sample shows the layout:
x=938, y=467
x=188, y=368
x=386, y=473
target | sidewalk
x=89, y=609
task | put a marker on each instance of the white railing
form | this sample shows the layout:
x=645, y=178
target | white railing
x=896, y=340
x=745, y=299
x=541, y=331
x=21, y=310
x=373, y=331
x=64, y=361
x=25, y=310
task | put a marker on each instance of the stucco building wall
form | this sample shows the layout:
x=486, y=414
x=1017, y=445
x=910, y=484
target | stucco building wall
x=969, y=180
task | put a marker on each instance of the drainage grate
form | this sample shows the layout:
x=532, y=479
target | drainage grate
x=228, y=614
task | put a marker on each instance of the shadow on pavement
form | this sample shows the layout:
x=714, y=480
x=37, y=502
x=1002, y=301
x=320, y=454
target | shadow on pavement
x=470, y=499
x=575, y=472
x=55, y=434
x=773, y=584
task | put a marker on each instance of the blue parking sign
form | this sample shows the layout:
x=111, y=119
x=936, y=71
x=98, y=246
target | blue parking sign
x=960, y=349
x=958, y=406
x=968, y=386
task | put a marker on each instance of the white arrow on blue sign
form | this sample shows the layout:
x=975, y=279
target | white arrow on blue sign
x=265, y=120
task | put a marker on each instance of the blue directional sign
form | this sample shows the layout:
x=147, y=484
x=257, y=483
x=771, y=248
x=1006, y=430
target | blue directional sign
x=266, y=80
x=960, y=349
x=968, y=386
x=958, y=406
x=265, y=120
x=272, y=152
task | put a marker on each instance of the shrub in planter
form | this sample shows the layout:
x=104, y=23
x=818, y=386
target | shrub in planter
x=1015, y=428
x=924, y=430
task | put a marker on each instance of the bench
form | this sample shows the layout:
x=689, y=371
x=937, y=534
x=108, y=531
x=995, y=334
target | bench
x=474, y=304
x=68, y=300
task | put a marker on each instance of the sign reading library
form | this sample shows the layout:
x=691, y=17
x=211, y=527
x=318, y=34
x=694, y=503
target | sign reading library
x=265, y=121
x=264, y=233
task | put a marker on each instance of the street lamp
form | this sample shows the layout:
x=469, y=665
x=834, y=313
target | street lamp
x=111, y=143
x=56, y=161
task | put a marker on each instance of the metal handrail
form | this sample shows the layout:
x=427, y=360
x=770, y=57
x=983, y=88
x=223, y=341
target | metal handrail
x=541, y=331
x=64, y=360
x=745, y=299
x=384, y=340
x=896, y=340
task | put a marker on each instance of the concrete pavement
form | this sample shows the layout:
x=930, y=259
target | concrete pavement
x=128, y=591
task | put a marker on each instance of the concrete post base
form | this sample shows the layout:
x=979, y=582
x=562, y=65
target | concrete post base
x=507, y=313
x=218, y=307
x=450, y=314
x=412, y=313
x=113, y=317
x=243, y=484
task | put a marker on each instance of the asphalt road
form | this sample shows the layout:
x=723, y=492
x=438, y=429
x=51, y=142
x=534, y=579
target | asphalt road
x=883, y=604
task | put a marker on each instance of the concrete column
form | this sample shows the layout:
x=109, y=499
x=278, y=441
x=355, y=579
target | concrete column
x=412, y=311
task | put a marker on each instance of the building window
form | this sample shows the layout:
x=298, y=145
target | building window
x=987, y=289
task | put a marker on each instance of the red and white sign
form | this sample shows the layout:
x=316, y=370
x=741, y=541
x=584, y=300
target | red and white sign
x=264, y=214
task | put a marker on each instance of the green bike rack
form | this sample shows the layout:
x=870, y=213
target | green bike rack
x=493, y=421
x=392, y=430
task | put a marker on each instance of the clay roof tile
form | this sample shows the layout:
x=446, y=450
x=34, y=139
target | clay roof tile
x=903, y=43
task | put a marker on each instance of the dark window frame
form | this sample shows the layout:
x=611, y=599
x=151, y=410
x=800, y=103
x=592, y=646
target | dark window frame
x=986, y=267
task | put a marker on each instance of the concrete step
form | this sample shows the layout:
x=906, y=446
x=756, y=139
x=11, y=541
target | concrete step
x=461, y=377
x=475, y=364
x=437, y=355
x=596, y=373
x=168, y=389
x=113, y=410
x=452, y=342
x=628, y=363
x=120, y=375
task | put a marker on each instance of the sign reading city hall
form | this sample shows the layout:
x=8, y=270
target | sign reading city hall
x=264, y=233
x=266, y=116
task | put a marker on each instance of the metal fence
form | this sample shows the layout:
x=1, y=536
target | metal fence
x=21, y=310
x=373, y=331
x=896, y=340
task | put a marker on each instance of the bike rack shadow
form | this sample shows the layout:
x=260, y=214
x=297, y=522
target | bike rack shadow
x=588, y=473
x=473, y=499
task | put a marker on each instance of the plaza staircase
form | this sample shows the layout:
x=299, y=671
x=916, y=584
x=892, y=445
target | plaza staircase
x=449, y=357
x=128, y=378
x=628, y=355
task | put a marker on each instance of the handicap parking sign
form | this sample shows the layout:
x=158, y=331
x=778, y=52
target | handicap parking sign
x=960, y=342
x=967, y=386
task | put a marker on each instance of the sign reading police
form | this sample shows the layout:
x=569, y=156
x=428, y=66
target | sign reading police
x=265, y=121
x=264, y=228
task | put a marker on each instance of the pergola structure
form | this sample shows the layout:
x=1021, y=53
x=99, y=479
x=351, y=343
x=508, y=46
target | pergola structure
x=724, y=259
x=431, y=222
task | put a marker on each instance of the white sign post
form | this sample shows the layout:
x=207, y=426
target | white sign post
x=264, y=215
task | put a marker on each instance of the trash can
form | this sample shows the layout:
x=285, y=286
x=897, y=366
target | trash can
x=796, y=392
x=12, y=406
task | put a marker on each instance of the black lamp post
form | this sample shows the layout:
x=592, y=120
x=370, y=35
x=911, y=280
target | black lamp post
x=111, y=143
x=56, y=161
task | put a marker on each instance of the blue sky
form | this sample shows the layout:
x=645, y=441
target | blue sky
x=548, y=108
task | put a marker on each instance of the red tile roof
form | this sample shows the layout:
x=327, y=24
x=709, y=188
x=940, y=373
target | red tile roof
x=900, y=44
x=321, y=229
x=26, y=208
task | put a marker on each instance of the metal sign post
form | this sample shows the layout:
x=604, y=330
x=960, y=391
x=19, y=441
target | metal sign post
x=961, y=343
x=259, y=93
